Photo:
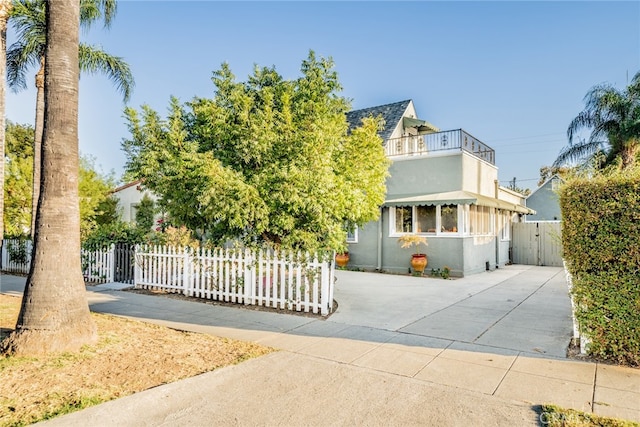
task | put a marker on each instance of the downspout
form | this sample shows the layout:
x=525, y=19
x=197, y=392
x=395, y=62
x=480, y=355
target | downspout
x=379, y=266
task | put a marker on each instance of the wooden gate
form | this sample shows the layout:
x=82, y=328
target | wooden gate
x=124, y=258
x=537, y=243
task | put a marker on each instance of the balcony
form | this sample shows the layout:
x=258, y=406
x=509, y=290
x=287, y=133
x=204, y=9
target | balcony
x=451, y=140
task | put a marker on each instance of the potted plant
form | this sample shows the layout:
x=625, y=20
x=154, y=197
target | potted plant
x=342, y=259
x=418, y=259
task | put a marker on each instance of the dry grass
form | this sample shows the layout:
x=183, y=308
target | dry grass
x=555, y=416
x=129, y=357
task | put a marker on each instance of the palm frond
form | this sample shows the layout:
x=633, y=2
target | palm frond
x=580, y=152
x=92, y=10
x=20, y=58
x=95, y=60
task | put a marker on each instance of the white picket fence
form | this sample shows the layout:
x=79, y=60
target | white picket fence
x=97, y=266
x=16, y=255
x=284, y=281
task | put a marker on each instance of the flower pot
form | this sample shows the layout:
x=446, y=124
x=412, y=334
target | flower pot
x=342, y=259
x=418, y=262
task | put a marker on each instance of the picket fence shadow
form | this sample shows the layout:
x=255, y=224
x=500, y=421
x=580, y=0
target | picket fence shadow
x=284, y=281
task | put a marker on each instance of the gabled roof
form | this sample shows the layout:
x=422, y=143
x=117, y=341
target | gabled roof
x=546, y=183
x=391, y=114
x=127, y=185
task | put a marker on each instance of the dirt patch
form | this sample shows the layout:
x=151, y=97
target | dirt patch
x=129, y=357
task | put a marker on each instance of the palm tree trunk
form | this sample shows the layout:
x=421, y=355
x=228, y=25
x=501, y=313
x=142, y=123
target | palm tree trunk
x=37, y=145
x=5, y=9
x=54, y=315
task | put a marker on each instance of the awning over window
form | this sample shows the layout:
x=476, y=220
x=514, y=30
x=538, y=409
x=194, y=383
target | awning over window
x=457, y=198
x=421, y=125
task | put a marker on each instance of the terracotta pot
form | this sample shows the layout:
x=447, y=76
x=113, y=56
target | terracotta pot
x=342, y=259
x=418, y=262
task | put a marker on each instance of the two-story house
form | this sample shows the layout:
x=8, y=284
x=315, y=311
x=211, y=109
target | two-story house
x=442, y=185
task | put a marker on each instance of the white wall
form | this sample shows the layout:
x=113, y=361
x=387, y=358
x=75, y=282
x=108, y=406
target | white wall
x=129, y=197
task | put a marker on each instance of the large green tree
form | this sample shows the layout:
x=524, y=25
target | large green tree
x=17, y=179
x=97, y=204
x=612, y=117
x=267, y=160
x=28, y=19
x=54, y=315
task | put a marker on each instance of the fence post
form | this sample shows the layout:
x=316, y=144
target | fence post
x=112, y=263
x=324, y=290
x=136, y=266
x=248, y=278
x=186, y=272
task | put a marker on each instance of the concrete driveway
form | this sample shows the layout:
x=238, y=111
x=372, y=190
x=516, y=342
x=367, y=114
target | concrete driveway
x=521, y=308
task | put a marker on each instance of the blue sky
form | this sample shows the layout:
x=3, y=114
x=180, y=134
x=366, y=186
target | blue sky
x=513, y=74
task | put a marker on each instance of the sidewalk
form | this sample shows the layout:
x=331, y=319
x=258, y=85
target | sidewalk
x=483, y=350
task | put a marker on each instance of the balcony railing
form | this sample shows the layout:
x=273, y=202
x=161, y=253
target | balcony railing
x=451, y=140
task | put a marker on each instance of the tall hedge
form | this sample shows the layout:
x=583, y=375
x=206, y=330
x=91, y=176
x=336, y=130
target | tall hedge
x=601, y=244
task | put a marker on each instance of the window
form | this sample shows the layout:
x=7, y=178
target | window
x=449, y=218
x=505, y=225
x=133, y=209
x=473, y=219
x=426, y=219
x=352, y=236
x=481, y=220
x=423, y=219
x=404, y=219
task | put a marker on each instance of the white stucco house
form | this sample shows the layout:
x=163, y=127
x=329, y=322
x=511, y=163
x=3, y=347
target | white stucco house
x=129, y=197
x=442, y=185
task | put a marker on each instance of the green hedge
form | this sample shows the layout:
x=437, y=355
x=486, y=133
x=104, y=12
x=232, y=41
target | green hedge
x=601, y=244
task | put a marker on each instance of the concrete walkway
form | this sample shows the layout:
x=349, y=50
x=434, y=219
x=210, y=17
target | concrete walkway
x=399, y=350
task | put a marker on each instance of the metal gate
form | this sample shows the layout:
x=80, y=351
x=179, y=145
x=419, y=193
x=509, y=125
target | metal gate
x=124, y=258
x=537, y=243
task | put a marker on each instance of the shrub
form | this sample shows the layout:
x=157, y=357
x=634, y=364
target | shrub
x=601, y=244
x=119, y=232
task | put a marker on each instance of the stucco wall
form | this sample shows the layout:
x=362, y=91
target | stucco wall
x=479, y=250
x=128, y=199
x=479, y=176
x=364, y=254
x=546, y=204
x=424, y=175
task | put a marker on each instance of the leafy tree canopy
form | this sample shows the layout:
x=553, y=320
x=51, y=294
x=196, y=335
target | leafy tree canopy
x=145, y=214
x=268, y=160
x=546, y=172
x=96, y=202
x=18, y=176
x=97, y=206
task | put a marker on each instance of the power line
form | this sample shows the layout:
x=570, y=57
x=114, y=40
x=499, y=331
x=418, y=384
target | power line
x=520, y=180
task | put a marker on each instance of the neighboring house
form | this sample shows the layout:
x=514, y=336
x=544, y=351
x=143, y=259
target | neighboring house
x=129, y=196
x=443, y=185
x=544, y=200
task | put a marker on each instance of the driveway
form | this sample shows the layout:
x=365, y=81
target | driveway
x=521, y=308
